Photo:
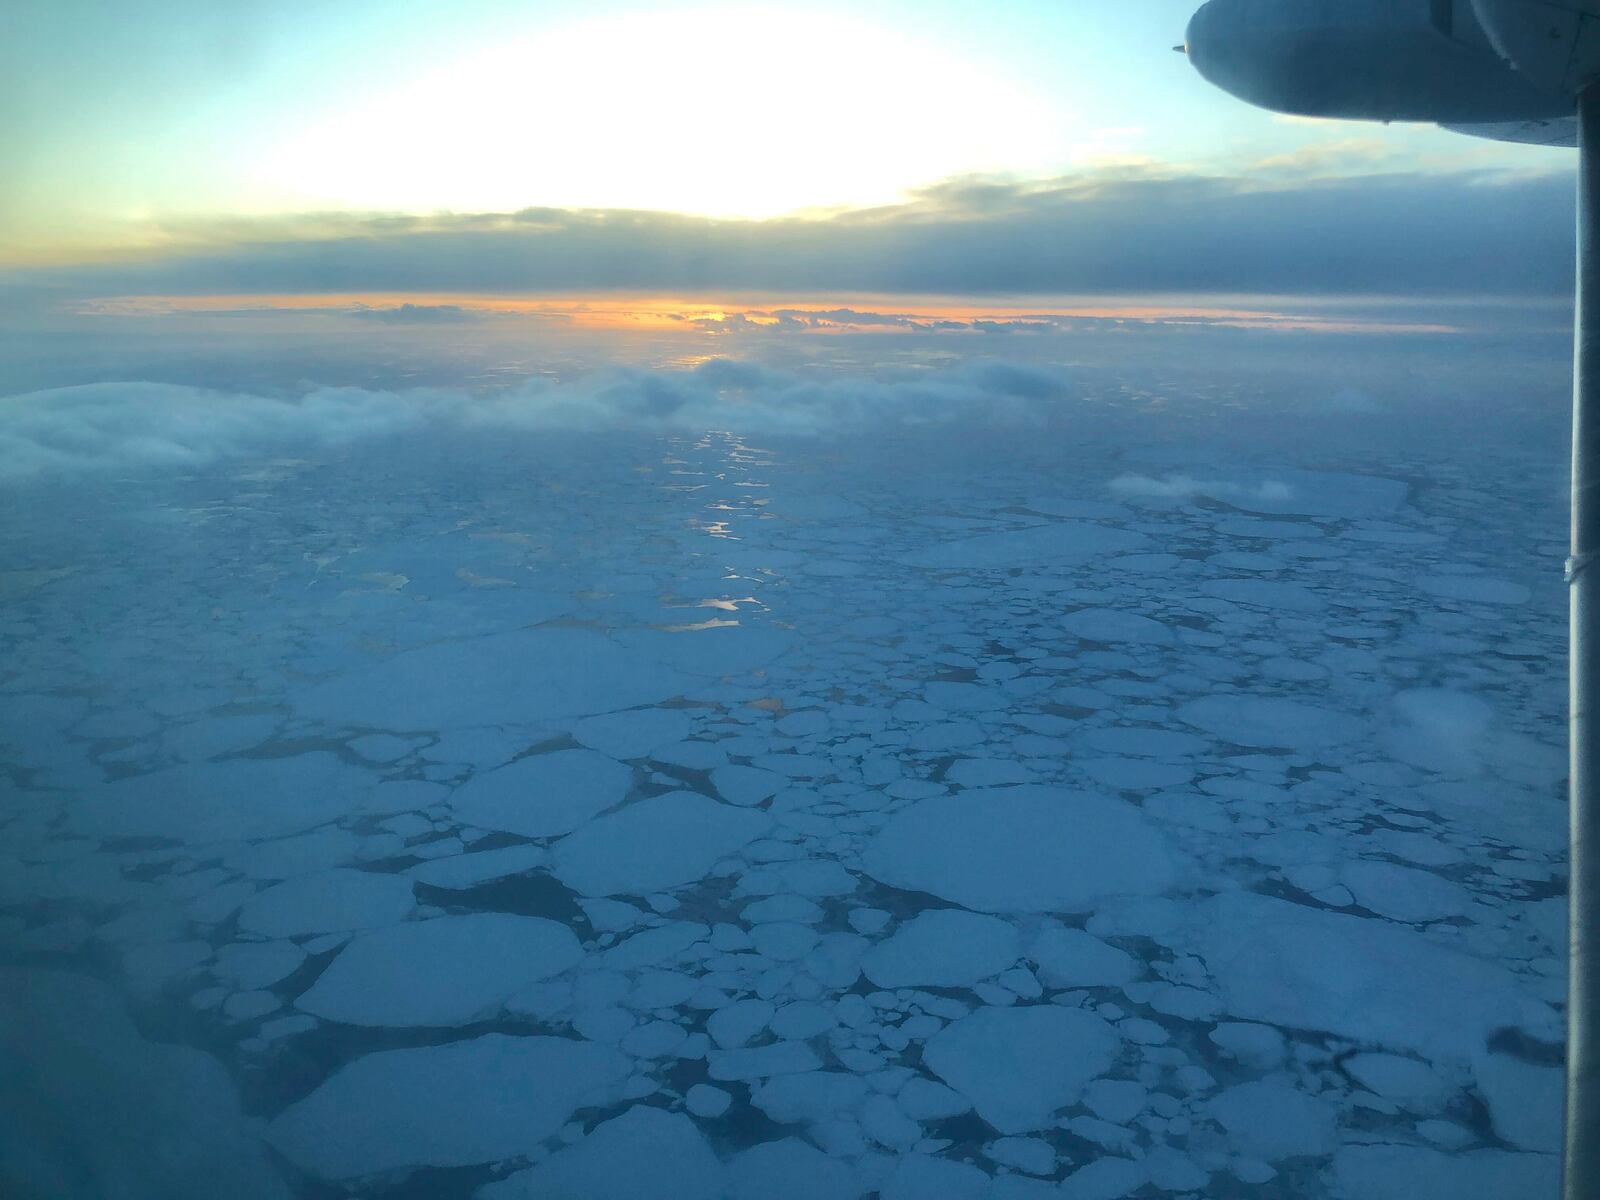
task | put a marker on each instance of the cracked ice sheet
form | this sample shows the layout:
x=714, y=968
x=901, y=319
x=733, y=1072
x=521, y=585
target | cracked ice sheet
x=724, y=958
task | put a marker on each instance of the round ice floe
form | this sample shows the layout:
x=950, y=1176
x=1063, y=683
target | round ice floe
x=1269, y=722
x=1403, y=893
x=1019, y=1065
x=328, y=902
x=656, y=844
x=1023, y=849
x=943, y=948
x=477, y=1101
x=543, y=796
x=447, y=971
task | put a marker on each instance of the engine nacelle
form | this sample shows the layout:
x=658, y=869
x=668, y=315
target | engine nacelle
x=1375, y=60
x=1554, y=43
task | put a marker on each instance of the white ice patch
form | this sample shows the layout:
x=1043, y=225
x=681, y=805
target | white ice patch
x=444, y=972
x=1023, y=849
x=477, y=1101
x=943, y=948
x=1019, y=1065
x=544, y=795
x=654, y=845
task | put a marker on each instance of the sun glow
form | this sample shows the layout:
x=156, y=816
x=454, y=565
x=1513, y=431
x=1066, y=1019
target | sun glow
x=732, y=112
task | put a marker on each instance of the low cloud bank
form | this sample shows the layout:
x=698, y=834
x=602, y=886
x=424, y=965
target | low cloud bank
x=1463, y=234
x=111, y=427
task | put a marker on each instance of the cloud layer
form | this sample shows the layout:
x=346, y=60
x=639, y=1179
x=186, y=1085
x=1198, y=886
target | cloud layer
x=68, y=432
x=1400, y=234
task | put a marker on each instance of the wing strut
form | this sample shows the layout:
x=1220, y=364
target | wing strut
x=1581, y=1164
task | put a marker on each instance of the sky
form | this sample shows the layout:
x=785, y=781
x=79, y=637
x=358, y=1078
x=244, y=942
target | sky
x=1034, y=148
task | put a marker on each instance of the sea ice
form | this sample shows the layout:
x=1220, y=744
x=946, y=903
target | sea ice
x=258, y=964
x=1114, y=625
x=645, y=1154
x=460, y=871
x=654, y=845
x=544, y=795
x=233, y=800
x=1381, y=1172
x=445, y=971
x=89, y=1109
x=1062, y=543
x=1475, y=589
x=328, y=902
x=476, y=1101
x=943, y=948
x=1403, y=893
x=634, y=733
x=1269, y=722
x=1019, y=1065
x=1071, y=958
x=1409, y=1083
x=1358, y=977
x=789, y=1169
x=1022, y=849
x=1273, y=1120
x=525, y=677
